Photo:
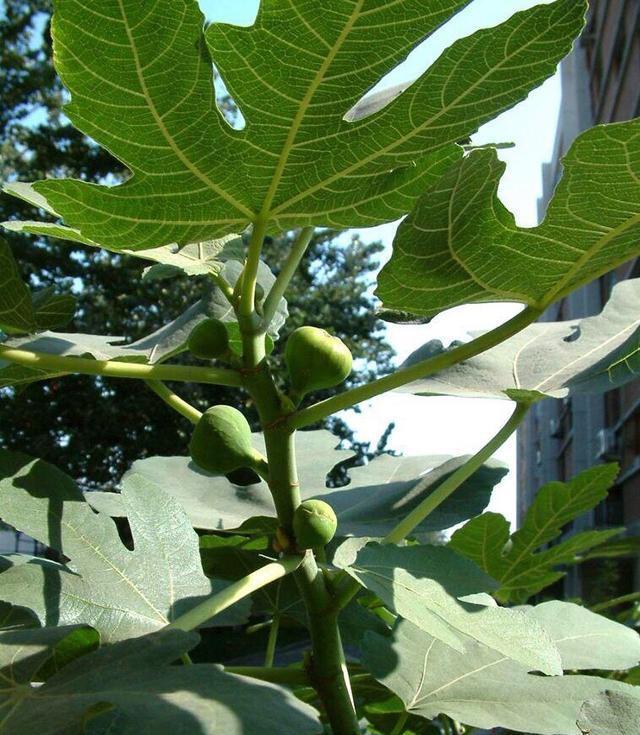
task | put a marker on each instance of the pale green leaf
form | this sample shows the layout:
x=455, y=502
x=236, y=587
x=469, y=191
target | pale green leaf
x=299, y=160
x=121, y=593
x=431, y=586
x=131, y=688
x=587, y=640
x=378, y=496
x=159, y=346
x=194, y=259
x=557, y=359
x=611, y=713
x=461, y=245
x=214, y=503
x=479, y=687
x=517, y=561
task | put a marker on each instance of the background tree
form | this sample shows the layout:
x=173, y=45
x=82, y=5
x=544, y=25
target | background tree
x=69, y=422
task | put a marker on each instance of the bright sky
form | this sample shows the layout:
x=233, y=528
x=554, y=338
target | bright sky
x=455, y=425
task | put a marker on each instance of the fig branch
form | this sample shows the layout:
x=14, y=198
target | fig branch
x=323, y=409
x=174, y=401
x=64, y=365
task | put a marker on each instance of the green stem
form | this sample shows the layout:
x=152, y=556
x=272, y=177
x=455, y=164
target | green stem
x=272, y=641
x=172, y=399
x=327, y=670
x=402, y=721
x=453, y=482
x=234, y=592
x=250, y=272
x=279, y=443
x=116, y=369
x=632, y=597
x=323, y=409
x=276, y=675
x=286, y=274
x=349, y=587
x=224, y=287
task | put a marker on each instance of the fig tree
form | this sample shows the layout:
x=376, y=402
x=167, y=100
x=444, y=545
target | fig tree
x=221, y=442
x=209, y=339
x=315, y=359
x=314, y=524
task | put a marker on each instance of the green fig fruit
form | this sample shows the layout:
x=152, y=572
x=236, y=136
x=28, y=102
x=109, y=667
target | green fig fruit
x=209, y=339
x=315, y=360
x=221, y=441
x=314, y=524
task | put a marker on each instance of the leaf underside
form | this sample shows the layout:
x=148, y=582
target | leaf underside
x=461, y=245
x=479, y=687
x=131, y=688
x=378, y=496
x=298, y=161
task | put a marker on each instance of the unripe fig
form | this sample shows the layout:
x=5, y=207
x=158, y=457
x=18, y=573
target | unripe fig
x=315, y=360
x=314, y=524
x=209, y=339
x=221, y=441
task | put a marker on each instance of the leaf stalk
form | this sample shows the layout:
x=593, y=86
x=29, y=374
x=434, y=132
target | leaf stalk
x=61, y=365
x=403, y=376
x=235, y=592
x=289, y=269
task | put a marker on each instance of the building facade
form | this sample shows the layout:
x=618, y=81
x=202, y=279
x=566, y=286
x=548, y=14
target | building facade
x=600, y=84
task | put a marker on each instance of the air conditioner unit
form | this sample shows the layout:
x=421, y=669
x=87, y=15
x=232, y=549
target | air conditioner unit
x=555, y=428
x=607, y=444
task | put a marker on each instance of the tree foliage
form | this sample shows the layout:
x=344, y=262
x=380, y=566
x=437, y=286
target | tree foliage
x=223, y=218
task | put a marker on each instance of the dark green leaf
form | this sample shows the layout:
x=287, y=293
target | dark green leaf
x=23, y=312
x=516, y=561
x=36, y=654
x=302, y=158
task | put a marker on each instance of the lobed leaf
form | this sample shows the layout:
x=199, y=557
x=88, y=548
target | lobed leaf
x=461, y=245
x=517, y=561
x=587, y=640
x=159, y=346
x=557, y=359
x=120, y=592
x=435, y=588
x=131, y=688
x=194, y=259
x=302, y=158
x=379, y=495
x=479, y=687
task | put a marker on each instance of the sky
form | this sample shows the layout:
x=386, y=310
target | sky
x=454, y=425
